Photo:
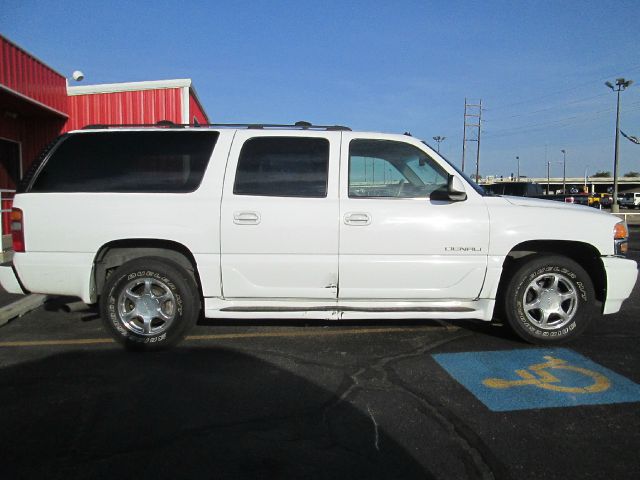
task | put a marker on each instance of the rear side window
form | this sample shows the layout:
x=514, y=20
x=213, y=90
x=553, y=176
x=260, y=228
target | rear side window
x=166, y=161
x=283, y=167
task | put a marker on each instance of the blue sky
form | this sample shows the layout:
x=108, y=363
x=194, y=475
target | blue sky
x=539, y=66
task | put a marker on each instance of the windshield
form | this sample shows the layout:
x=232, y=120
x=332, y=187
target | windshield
x=473, y=184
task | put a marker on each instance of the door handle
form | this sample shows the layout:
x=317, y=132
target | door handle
x=357, y=218
x=246, y=218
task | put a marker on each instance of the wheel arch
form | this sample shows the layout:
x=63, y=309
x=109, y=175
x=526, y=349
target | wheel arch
x=115, y=253
x=583, y=253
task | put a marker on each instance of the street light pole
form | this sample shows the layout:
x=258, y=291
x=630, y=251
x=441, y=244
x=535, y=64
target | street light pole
x=518, y=177
x=621, y=85
x=564, y=171
x=585, y=176
x=548, y=177
x=439, y=139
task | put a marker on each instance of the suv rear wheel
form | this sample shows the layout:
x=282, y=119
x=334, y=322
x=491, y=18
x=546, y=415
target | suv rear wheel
x=149, y=303
x=549, y=300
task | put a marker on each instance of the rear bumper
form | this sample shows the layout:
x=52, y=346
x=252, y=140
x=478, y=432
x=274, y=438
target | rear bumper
x=621, y=278
x=9, y=279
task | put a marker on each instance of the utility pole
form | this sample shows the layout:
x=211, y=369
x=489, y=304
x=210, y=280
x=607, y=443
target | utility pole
x=621, y=85
x=564, y=171
x=518, y=177
x=439, y=139
x=478, y=151
x=472, y=111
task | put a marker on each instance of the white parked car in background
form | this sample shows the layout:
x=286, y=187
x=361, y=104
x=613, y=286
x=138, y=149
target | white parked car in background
x=256, y=221
x=630, y=200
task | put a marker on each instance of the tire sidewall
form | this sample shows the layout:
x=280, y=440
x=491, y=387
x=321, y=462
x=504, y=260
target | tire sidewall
x=175, y=278
x=585, y=307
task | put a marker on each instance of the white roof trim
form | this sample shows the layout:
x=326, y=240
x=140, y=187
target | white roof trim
x=128, y=86
x=185, y=106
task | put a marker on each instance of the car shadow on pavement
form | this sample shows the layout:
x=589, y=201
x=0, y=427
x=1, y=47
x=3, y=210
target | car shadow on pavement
x=185, y=413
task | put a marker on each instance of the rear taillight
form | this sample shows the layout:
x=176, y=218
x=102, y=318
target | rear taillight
x=17, y=230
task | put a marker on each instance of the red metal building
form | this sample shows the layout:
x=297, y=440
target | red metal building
x=36, y=105
x=134, y=102
x=33, y=110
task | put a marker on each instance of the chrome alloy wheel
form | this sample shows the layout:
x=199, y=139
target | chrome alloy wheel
x=147, y=306
x=550, y=301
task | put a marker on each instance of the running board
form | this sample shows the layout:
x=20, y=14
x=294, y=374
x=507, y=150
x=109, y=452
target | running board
x=349, y=309
x=325, y=309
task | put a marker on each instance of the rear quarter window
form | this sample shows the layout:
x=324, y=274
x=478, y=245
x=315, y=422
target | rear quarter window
x=165, y=161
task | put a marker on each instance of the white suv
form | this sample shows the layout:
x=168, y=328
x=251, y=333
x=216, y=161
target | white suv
x=263, y=221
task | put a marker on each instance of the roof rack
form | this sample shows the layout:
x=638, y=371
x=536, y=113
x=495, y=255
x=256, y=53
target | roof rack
x=258, y=126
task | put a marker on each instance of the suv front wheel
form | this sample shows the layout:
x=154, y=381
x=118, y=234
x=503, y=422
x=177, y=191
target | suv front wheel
x=149, y=303
x=549, y=300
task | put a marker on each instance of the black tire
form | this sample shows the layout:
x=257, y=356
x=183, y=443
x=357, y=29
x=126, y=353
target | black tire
x=535, y=278
x=159, y=290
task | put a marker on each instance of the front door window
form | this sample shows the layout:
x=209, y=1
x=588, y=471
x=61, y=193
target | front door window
x=389, y=169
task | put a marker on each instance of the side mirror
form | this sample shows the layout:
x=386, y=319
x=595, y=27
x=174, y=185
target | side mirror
x=453, y=192
x=456, y=190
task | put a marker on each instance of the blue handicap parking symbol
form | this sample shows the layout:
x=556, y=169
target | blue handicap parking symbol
x=537, y=378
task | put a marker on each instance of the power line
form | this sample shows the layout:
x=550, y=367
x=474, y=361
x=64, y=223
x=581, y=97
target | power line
x=560, y=105
x=573, y=88
x=556, y=122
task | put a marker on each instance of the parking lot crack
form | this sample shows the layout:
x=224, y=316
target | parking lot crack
x=379, y=375
x=376, y=441
x=297, y=359
x=483, y=460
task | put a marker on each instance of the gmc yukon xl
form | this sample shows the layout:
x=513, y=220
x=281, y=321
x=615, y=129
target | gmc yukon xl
x=160, y=224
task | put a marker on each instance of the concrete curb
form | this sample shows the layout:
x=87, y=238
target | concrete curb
x=21, y=307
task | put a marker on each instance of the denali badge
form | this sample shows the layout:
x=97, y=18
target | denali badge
x=462, y=249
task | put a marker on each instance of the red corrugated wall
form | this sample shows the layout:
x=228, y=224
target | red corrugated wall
x=32, y=140
x=196, y=110
x=34, y=121
x=145, y=106
x=27, y=75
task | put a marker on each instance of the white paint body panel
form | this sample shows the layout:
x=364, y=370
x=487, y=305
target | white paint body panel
x=280, y=267
x=9, y=280
x=290, y=247
x=77, y=225
x=59, y=273
x=412, y=248
x=621, y=278
x=515, y=220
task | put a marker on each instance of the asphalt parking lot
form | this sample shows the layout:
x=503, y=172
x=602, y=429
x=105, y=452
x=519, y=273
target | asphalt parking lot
x=317, y=400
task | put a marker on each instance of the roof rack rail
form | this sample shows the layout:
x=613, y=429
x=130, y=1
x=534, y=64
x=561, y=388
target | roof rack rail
x=169, y=124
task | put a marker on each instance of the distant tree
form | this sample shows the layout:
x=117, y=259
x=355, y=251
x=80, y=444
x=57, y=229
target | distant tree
x=601, y=174
x=632, y=174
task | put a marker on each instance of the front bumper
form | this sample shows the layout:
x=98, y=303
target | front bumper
x=9, y=279
x=621, y=274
